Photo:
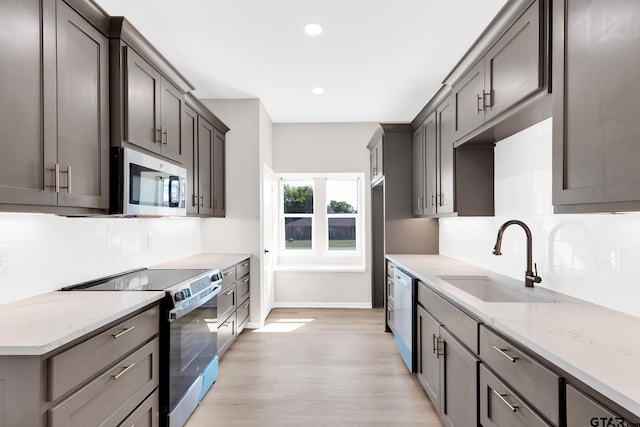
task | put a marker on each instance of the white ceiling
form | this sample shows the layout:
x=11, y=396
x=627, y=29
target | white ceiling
x=379, y=60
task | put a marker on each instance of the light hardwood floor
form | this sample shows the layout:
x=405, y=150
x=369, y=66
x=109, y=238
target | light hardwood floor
x=315, y=367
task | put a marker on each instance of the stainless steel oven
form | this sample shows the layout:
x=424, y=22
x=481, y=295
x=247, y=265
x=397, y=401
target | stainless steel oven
x=188, y=332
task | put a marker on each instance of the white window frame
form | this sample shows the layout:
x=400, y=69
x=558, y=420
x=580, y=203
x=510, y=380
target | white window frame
x=320, y=255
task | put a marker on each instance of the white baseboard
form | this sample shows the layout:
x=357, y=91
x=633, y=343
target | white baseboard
x=322, y=305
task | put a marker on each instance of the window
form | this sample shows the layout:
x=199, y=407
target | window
x=321, y=216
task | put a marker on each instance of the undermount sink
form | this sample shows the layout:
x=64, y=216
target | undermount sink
x=489, y=290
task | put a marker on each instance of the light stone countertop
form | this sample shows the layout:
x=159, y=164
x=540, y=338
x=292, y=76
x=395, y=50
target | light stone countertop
x=204, y=261
x=40, y=324
x=596, y=345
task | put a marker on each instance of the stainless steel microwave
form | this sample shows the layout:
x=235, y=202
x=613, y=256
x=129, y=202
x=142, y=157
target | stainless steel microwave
x=144, y=185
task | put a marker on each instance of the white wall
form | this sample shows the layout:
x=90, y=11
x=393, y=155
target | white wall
x=324, y=147
x=595, y=257
x=239, y=231
x=41, y=252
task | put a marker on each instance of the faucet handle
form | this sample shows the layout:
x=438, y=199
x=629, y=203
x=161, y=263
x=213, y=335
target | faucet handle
x=536, y=278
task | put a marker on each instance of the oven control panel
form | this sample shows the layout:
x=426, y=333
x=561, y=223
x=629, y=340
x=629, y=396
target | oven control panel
x=189, y=292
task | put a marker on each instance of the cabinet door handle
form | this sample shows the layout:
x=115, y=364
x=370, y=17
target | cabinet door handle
x=228, y=273
x=124, y=371
x=246, y=264
x=165, y=136
x=68, y=172
x=229, y=293
x=201, y=201
x=158, y=136
x=433, y=200
x=433, y=344
x=503, y=397
x=484, y=99
x=246, y=280
x=57, y=177
x=246, y=305
x=480, y=104
x=438, y=199
x=503, y=351
x=124, y=331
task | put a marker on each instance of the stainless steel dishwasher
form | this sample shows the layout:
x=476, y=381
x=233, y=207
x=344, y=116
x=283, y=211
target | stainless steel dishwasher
x=404, y=305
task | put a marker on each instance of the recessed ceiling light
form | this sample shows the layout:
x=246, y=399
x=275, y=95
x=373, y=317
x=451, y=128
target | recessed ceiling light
x=313, y=28
x=317, y=90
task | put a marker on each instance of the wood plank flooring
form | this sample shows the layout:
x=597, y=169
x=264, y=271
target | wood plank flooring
x=315, y=367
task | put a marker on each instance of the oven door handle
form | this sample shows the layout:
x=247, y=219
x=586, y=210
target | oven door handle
x=177, y=313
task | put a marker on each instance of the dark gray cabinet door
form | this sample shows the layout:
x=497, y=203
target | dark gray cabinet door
x=418, y=172
x=459, y=370
x=190, y=141
x=142, y=119
x=171, y=106
x=83, y=111
x=219, y=174
x=596, y=57
x=428, y=354
x=513, y=66
x=469, y=97
x=205, y=167
x=27, y=104
x=430, y=131
x=445, y=174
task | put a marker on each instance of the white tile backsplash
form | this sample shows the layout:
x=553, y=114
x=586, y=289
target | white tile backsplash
x=595, y=257
x=41, y=253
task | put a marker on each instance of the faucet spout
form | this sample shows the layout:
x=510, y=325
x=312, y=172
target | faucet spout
x=529, y=276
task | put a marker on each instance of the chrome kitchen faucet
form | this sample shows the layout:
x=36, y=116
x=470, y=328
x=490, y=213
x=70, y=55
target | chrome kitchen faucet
x=529, y=277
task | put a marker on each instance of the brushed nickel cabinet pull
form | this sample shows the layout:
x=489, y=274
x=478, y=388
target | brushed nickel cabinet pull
x=503, y=351
x=246, y=280
x=484, y=99
x=57, y=177
x=503, y=397
x=119, y=334
x=228, y=273
x=201, y=201
x=165, y=136
x=246, y=264
x=124, y=371
x=433, y=343
x=229, y=293
x=246, y=305
x=158, y=136
x=433, y=200
x=68, y=172
x=480, y=104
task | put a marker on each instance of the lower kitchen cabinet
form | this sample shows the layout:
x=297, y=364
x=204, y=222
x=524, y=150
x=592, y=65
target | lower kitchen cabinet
x=500, y=406
x=106, y=378
x=428, y=330
x=583, y=410
x=459, y=373
x=447, y=369
x=233, y=304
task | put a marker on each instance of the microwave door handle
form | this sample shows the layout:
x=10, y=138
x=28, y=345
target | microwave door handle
x=174, y=191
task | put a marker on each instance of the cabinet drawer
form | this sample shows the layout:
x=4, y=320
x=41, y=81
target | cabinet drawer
x=242, y=314
x=390, y=316
x=499, y=406
x=242, y=269
x=391, y=269
x=242, y=287
x=581, y=409
x=74, y=366
x=390, y=288
x=112, y=396
x=226, y=333
x=227, y=302
x=463, y=327
x=535, y=383
x=145, y=415
x=229, y=276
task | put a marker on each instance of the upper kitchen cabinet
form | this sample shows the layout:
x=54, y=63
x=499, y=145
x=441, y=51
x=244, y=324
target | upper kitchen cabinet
x=204, y=139
x=376, y=158
x=596, y=55
x=54, y=112
x=447, y=180
x=147, y=95
x=503, y=90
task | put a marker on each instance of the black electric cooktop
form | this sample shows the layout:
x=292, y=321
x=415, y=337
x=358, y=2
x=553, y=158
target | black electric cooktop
x=138, y=280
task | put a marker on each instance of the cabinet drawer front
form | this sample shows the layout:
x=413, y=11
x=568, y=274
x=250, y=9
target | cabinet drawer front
x=391, y=269
x=390, y=288
x=111, y=397
x=229, y=276
x=458, y=323
x=581, y=409
x=534, y=382
x=227, y=302
x=145, y=415
x=242, y=286
x=499, y=406
x=226, y=333
x=243, y=314
x=390, y=316
x=243, y=268
x=74, y=366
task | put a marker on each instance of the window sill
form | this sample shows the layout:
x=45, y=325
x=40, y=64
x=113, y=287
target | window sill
x=322, y=268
